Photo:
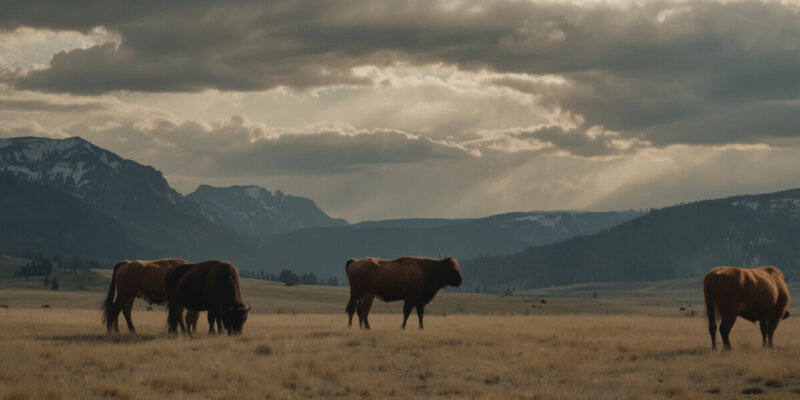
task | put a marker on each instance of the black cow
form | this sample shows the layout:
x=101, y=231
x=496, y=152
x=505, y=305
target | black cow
x=211, y=286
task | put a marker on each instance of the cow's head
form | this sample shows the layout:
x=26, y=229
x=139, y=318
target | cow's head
x=453, y=272
x=234, y=318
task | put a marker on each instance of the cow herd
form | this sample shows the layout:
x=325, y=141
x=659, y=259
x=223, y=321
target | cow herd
x=758, y=295
x=211, y=286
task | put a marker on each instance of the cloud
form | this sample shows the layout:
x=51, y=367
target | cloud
x=26, y=101
x=629, y=68
x=10, y=129
x=236, y=147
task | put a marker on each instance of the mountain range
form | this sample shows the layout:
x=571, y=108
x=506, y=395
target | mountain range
x=134, y=201
x=255, y=212
x=673, y=242
x=70, y=197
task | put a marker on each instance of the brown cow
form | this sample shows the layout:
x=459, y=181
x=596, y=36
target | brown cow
x=415, y=280
x=757, y=295
x=132, y=279
x=210, y=285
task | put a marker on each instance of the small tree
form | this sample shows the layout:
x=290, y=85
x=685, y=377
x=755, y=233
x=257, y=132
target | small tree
x=309, y=278
x=287, y=276
x=54, y=284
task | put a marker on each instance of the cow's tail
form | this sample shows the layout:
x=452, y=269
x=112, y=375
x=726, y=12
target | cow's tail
x=352, y=303
x=711, y=308
x=108, y=304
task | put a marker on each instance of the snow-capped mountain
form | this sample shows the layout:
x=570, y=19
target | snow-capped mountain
x=256, y=212
x=134, y=195
x=86, y=171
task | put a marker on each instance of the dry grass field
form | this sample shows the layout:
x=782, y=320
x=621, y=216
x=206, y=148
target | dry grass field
x=599, y=341
x=65, y=354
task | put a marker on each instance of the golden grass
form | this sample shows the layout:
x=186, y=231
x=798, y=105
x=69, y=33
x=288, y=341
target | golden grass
x=65, y=354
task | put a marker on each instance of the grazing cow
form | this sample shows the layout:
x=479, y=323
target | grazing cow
x=415, y=280
x=132, y=279
x=757, y=295
x=211, y=286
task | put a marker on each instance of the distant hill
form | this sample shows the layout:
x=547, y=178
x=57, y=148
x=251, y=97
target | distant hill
x=325, y=250
x=255, y=212
x=673, y=242
x=38, y=218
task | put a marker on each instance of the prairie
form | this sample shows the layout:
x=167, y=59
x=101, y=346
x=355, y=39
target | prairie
x=65, y=354
x=609, y=341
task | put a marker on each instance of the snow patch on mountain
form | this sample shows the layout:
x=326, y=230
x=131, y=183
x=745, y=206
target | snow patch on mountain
x=69, y=171
x=542, y=219
x=253, y=191
x=22, y=172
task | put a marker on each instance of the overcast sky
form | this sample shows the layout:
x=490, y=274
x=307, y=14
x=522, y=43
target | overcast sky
x=386, y=109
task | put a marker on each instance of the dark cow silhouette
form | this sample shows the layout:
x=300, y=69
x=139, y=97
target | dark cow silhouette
x=415, y=280
x=757, y=295
x=132, y=279
x=212, y=286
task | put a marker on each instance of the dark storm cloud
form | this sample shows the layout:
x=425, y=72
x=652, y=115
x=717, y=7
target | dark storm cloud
x=635, y=69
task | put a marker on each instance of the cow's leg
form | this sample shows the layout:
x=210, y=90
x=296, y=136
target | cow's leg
x=351, y=309
x=212, y=317
x=407, y=307
x=763, y=325
x=173, y=316
x=771, y=326
x=712, y=330
x=219, y=323
x=363, y=308
x=420, y=314
x=725, y=329
x=113, y=316
x=127, y=305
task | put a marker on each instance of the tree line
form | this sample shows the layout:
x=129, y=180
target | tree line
x=39, y=265
x=290, y=277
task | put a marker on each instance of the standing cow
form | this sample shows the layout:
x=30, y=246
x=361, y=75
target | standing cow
x=132, y=279
x=211, y=286
x=757, y=295
x=415, y=280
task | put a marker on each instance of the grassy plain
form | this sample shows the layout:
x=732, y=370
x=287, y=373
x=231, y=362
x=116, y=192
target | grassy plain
x=610, y=341
x=64, y=354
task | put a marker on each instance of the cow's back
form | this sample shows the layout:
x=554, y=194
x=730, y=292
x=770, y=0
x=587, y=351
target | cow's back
x=221, y=283
x=196, y=286
x=389, y=279
x=145, y=278
x=759, y=292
